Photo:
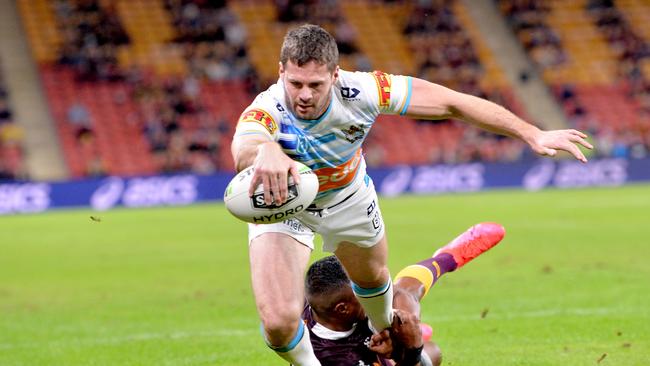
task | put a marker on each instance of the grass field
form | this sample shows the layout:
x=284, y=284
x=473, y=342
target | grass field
x=569, y=285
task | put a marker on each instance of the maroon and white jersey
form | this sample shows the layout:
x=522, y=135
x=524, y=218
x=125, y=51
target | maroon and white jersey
x=333, y=348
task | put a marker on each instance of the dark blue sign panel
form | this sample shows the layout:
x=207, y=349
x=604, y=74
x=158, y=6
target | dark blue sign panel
x=174, y=190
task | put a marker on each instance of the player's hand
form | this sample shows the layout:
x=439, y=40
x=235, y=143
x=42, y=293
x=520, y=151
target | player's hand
x=406, y=296
x=381, y=344
x=271, y=168
x=549, y=142
x=405, y=330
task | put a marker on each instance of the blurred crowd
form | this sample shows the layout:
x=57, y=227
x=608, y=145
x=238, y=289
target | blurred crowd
x=544, y=46
x=11, y=139
x=329, y=15
x=632, y=51
x=528, y=20
x=444, y=54
x=214, y=41
x=184, y=135
x=91, y=37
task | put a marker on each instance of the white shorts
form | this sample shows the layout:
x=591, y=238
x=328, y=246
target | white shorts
x=356, y=219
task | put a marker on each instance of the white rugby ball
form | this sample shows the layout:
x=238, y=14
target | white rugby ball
x=255, y=210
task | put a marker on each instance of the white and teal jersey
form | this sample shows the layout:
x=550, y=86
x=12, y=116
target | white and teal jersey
x=330, y=145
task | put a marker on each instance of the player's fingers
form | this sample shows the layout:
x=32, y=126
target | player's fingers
x=578, y=133
x=397, y=319
x=408, y=318
x=549, y=151
x=581, y=141
x=276, y=191
x=255, y=181
x=283, y=185
x=573, y=149
x=268, y=187
x=294, y=173
x=380, y=337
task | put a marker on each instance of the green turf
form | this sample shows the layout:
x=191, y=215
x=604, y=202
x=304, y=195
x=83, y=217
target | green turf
x=569, y=284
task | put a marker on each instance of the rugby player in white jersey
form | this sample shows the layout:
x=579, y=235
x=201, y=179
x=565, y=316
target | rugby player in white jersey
x=320, y=115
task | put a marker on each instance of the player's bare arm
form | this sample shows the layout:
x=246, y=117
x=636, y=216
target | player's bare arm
x=403, y=344
x=270, y=162
x=433, y=101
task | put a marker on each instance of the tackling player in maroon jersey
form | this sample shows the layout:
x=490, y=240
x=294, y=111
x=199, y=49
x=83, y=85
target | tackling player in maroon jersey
x=339, y=329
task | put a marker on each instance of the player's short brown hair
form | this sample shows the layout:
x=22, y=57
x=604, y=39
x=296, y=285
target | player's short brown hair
x=309, y=42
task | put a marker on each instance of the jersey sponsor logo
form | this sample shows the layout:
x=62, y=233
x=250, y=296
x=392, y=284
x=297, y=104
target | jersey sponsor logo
x=342, y=175
x=349, y=93
x=353, y=134
x=260, y=116
x=383, y=86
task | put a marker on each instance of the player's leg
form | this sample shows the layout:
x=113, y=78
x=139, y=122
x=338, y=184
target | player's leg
x=370, y=277
x=460, y=251
x=278, y=263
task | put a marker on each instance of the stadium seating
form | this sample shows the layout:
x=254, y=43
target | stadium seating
x=447, y=48
x=116, y=142
x=602, y=80
x=39, y=19
x=11, y=139
x=186, y=68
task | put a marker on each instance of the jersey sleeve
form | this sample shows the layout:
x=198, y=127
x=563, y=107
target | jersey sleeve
x=393, y=92
x=258, y=119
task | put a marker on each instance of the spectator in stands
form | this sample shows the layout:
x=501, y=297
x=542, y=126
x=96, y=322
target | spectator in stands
x=95, y=166
x=11, y=140
x=345, y=37
x=79, y=119
x=5, y=112
x=91, y=33
x=444, y=53
x=330, y=16
x=528, y=19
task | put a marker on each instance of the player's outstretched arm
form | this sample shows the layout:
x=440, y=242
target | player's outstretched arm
x=433, y=101
x=270, y=162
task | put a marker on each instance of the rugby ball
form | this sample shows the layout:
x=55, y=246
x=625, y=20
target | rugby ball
x=255, y=210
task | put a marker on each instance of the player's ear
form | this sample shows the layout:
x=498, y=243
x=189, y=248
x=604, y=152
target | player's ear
x=342, y=308
x=335, y=74
x=280, y=68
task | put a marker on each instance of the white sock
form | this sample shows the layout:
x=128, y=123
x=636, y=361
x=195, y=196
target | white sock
x=299, y=351
x=377, y=303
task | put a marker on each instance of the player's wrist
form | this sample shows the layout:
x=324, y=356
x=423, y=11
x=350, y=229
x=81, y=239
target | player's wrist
x=267, y=145
x=411, y=356
x=529, y=134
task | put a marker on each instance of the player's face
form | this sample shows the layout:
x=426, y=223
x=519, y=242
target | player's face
x=308, y=88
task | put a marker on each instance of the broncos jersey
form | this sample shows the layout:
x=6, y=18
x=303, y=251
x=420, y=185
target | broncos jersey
x=331, y=144
x=349, y=348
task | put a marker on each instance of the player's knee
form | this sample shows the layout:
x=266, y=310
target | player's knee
x=372, y=277
x=280, y=326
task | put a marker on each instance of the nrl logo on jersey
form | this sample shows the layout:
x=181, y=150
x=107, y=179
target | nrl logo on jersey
x=350, y=93
x=353, y=134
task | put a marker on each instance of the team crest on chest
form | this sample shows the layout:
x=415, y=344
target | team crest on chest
x=354, y=133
